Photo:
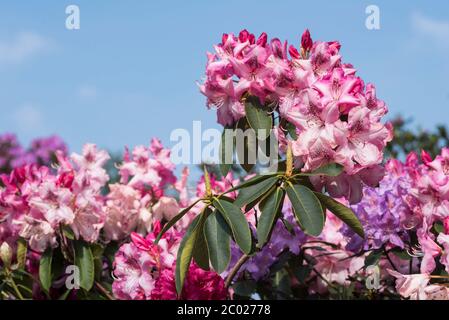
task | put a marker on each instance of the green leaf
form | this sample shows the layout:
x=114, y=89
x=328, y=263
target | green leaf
x=21, y=253
x=288, y=226
x=200, y=253
x=45, y=269
x=291, y=129
x=238, y=223
x=401, y=253
x=68, y=232
x=373, y=257
x=438, y=227
x=226, y=149
x=185, y=251
x=251, y=193
x=307, y=209
x=342, y=212
x=84, y=260
x=270, y=210
x=218, y=237
x=252, y=181
x=331, y=170
x=258, y=117
x=175, y=219
x=301, y=273
x=261, y=198
x=246, y=145
x=65, y=294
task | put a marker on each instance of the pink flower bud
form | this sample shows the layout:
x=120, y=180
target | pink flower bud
x=306, y=40
x=243, y=35
x=262, y=40
x=224, y=38
x=294, y=52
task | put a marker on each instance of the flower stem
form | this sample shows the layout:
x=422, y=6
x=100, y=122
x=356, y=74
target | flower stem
x=235, y=269
x=16, y=289
x=104, y=291
x=389, y=259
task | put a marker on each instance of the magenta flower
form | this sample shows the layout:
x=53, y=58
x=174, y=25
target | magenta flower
x=145, y=271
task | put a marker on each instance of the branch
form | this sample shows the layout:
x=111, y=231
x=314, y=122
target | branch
x=104, y=291
x=389, y=259
x=236, y=269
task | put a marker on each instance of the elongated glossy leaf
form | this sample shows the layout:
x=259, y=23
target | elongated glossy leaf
x=269, y=214
x=65, y=294
x=84, y=260
x=218, y=238
x=246, y=148
x=185, y=251
x=45, y=269
x=226, y=151
x=253, y=203
x=251, y=193
x=254, y=180
x=68, y=232
x=175, y=219
x=288, y=226
x=258, y=117
x=331, y=170
x=200, y=253
x=238, y=223
x=307, y=209
x=342, y=212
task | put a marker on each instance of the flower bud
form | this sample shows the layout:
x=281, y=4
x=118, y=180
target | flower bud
x=243, y=35
x=6, y=254
x=294, y=52
x=262, y=40
x=224, y=38
x=306, y=40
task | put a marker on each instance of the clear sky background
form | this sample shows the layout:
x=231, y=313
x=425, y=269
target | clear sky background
x=129, y=73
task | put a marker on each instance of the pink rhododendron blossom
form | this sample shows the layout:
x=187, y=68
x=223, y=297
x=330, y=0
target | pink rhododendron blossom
x=429, y=249
x=166, y=208
x=38, y=201
x=148, y=167
x=126, y=210
x=409, y=286
x=337, y=117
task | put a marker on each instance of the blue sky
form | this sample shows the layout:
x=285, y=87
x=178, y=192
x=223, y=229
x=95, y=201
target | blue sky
x=129, y=73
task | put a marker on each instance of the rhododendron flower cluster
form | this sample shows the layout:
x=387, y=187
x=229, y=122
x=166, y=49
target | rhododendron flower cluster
x=337, y=117
x=37, y=202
